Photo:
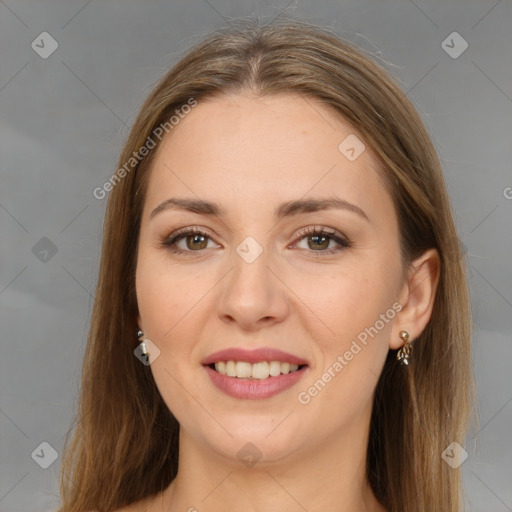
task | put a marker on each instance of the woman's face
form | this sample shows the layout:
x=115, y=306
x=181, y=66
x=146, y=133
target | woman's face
x=259, y=276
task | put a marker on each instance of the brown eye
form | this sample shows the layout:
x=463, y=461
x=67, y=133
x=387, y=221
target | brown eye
x=319, y=239
x=318, y=242
x=196, y=242
x=193, y=240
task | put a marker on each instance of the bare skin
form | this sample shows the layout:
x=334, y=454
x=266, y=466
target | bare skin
x=306, y=298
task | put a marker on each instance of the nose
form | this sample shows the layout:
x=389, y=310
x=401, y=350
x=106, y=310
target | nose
x=253, y=295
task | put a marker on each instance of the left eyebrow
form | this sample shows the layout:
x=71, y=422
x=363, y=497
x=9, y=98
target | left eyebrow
x=286, y=209
x=310, y=205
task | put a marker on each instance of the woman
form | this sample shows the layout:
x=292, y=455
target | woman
x=281, y=320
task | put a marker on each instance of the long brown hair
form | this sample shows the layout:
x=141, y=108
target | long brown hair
x=124, y=443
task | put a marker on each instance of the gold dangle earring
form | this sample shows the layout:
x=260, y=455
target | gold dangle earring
x=405, y=352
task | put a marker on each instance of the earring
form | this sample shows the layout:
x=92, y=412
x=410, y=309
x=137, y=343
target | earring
x=142, y=345
x=405, y=352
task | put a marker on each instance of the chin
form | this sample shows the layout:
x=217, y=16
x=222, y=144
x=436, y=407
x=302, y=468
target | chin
x=253, y=440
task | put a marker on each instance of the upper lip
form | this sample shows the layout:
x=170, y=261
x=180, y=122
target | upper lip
x=253, y=356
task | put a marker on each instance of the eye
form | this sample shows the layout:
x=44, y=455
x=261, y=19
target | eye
x=319, y=238
x=194, y=240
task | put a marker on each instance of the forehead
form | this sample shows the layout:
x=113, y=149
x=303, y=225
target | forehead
x=248, y=147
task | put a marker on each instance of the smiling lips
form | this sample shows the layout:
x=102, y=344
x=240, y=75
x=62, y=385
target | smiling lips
x=254, y=374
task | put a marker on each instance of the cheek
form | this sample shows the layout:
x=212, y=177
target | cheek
x=166, y=295
x=352, y=353
x=346, y=302
x=166, y=299
x=351, y=325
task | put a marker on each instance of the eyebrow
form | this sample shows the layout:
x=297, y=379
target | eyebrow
x=286, y=209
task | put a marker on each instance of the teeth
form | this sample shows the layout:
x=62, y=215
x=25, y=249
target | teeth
x=261, y=370
x=274, y=368
x=243, y=369
x=231, y=368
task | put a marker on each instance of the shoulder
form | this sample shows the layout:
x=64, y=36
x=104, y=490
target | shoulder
x=139, y=506
x=148, y=504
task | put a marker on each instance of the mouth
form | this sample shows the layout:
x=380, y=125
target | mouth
x=254, y=374
x=260, y=370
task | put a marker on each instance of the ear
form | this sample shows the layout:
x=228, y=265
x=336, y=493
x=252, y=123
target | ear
x=417, y=297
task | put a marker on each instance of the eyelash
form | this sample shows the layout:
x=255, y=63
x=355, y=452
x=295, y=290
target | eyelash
x=170, y=241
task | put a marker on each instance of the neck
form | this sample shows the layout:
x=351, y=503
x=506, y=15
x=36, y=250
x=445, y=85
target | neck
x=330, y=476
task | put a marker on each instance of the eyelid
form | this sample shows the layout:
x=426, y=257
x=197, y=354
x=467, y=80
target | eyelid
x=316, y=229
x=342, y=240
x=169, y=240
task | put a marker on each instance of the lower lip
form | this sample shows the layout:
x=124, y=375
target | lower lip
x=254, y=389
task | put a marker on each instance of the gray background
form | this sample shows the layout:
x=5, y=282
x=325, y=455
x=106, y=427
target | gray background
x=64, y=119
